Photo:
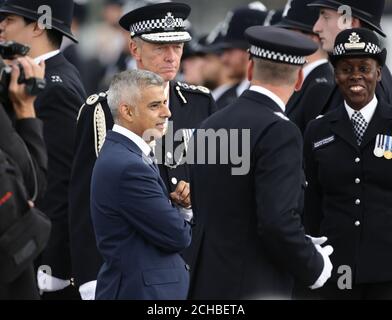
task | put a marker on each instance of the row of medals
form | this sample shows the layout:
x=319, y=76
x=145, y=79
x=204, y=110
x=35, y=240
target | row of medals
x=383, y=146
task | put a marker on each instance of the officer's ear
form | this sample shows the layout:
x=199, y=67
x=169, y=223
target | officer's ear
x=251, y=64
x=38, y=29
x=300, y=80
x=135, y=49
x=356, y=23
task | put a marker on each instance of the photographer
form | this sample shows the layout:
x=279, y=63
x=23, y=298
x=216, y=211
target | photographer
x=21, y=139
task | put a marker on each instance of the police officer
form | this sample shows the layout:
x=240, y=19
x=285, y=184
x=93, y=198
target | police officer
x=306, y=104
x=157, y=36
x=248, y=241
x=349, y=170
x=57, y=107
x=361, y=13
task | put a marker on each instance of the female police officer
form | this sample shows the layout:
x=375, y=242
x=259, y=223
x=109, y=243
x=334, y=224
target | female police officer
x=349, y=172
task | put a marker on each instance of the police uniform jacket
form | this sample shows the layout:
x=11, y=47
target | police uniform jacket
x=189, y=106
x=306, y=104
x=349, y=193
x=57, y=107
x=248, y=241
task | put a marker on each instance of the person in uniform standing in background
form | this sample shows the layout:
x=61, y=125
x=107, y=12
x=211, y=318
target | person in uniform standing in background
x=157, y=37
x=349, y=171
x=57, y=107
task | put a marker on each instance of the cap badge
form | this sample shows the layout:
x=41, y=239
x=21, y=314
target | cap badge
x=354, y=42
x=169, y=20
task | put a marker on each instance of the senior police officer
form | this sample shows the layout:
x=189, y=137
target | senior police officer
x=306, y=104
x=362, y=13
x=249, y=242
x=57, y=106
x=348, y=165
x=157, y=36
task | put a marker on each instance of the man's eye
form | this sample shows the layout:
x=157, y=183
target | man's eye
x=364, y=69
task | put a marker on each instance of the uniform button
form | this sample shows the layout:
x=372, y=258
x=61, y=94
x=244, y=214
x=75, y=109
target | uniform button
x=187, y=267
x=357, y=160
x=169, y=155
x=357, y=223
x=357, y=181
x=174, y=181
x=357, y=202
x=306, y=184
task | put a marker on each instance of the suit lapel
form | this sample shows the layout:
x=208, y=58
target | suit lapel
x=341, y=126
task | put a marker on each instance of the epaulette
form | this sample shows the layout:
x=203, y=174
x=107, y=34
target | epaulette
x=321, y=80
x=99, y=128
x=92, y=100
x=189, y=88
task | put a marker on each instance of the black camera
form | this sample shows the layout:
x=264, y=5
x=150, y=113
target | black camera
x=10, y=50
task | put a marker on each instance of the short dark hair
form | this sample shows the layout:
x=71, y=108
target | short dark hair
x=55, y=37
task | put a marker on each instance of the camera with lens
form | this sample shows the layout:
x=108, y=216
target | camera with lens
x=8, y=51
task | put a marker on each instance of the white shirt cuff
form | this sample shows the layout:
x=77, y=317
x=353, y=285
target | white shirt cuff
x=87, y=290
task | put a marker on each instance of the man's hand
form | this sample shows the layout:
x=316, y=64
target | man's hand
x=22, y=102
x=182, y=196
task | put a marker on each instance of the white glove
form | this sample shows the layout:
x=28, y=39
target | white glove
x=48, y=283
x=87, y=290
x=327, y=270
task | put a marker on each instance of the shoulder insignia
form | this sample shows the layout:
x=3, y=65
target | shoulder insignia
x=320, y=116
x=321, y=80
x=281, y=115
x=56, y=79
x=93, y=99
x=99, y=128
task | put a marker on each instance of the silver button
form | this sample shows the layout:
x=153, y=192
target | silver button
x=357, y=181
x=169, y=155
x=306, y=184
x=357, y=160
x=357, y=223
x=357, y=202
x=174, y=181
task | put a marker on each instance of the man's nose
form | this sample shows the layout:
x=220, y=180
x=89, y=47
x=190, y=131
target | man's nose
x=317, y=26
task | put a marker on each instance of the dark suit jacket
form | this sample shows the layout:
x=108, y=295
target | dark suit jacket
x=306, y=104
x=57, y=107
x=228, y=97
x=94, y=120
x=361, y=234
x=248, y=241
x=138, y=231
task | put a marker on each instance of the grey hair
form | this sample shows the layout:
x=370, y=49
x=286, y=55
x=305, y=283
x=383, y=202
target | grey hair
x=125, y=88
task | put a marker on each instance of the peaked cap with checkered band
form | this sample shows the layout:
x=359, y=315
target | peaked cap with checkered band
x=279, y=45
x=158, y=23
x=358, y=42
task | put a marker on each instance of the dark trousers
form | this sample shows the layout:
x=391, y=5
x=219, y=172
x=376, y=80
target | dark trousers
x=23, y=288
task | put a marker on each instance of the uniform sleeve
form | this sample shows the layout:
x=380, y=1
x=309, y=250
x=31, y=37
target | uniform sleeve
x=278, y=178
x=313, y=196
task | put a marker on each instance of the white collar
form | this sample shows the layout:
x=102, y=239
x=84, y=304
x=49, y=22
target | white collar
x=269, y=94
x=46, y=56
x=219, y=91
x=245, y=84
x=367, y=111
x=146, y=149
x=307, y=69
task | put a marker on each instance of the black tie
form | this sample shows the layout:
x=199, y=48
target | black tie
x=360, y=126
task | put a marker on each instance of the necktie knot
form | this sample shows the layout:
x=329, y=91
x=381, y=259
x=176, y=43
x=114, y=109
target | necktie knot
x=360, y=126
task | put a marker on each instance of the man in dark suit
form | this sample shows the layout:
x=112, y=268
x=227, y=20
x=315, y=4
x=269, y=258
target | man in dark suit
x=139, y=232
x=158, y=50
x=22, y=140
x=248, y=241
x=365, y=14
x=306, y=104
x=348, y=168
x=57, y=107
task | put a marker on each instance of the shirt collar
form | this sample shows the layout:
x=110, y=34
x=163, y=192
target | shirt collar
x=146, y=149
x=245, y=84
x=46, y=56
x=367, y=111
x=271, y=95
x=307, y=69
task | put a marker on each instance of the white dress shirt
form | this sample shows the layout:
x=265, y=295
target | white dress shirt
x=46, y=56
x=367, y=111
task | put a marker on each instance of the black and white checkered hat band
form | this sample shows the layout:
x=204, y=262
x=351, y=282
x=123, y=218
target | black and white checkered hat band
x=157, y=24
x=370, y=48
x=277, y=56
x=160, y=37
